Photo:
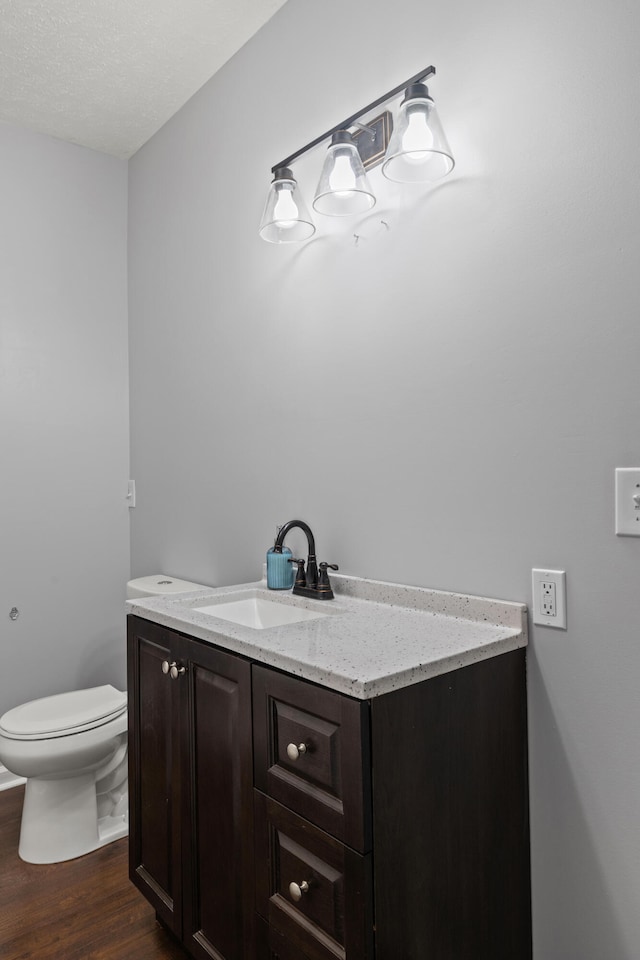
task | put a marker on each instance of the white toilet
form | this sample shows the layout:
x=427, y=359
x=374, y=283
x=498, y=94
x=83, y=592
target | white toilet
x=72, y=750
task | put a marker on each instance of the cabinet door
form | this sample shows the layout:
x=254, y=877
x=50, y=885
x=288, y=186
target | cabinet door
x=154, y=771
x=218, y=830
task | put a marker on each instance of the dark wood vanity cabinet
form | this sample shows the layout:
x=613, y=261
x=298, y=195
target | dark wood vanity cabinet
x=274, y=819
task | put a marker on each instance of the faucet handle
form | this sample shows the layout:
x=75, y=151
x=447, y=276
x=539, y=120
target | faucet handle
x=324, y=587
x=301, y=579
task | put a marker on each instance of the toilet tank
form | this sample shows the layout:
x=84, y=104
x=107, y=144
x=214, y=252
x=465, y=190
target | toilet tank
x=159, y=584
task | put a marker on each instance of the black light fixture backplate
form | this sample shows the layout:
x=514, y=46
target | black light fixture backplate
x=372, y=146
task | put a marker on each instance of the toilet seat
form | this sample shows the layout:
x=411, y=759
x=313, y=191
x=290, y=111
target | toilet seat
x=64, y=714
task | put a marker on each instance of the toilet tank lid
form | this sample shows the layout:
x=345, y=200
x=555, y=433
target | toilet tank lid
x=64, y=711
x=160, y=584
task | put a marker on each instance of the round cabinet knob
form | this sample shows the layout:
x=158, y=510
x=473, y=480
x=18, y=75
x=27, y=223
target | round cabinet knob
x=166, y=666
x=293, y=751
x=177, y=671
x=297, y=890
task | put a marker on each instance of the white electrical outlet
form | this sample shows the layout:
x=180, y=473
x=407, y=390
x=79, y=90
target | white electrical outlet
x=549, y=598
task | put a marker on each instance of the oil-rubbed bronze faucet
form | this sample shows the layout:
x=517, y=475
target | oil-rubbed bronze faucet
x=309, y=583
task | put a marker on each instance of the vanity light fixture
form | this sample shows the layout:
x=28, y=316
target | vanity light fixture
x=415, y=152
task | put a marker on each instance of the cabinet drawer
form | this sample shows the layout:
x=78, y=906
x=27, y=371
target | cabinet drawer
x=329, y=782
x=271, y=945
x=332, y=918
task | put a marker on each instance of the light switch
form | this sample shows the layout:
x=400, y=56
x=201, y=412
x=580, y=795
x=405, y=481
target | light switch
x=628, y=501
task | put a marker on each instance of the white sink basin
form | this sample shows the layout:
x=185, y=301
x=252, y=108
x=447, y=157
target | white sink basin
x=259, y=613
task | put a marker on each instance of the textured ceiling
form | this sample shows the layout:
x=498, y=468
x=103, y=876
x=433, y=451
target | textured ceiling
x=108, y=73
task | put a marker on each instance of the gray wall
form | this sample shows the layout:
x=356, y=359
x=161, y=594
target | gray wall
x=64, y=525
x=445, y=402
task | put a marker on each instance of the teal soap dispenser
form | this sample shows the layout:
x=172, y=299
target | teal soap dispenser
x=280, y=571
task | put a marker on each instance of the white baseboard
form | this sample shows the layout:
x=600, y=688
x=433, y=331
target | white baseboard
x=8, y=780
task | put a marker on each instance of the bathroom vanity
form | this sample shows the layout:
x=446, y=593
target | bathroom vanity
x=348, y=787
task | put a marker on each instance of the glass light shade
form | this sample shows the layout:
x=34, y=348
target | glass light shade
x=343, y=187
x=285, y=218
x=418, y=151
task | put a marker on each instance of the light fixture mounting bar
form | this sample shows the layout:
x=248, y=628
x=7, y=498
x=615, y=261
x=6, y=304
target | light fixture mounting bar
x=349, y=122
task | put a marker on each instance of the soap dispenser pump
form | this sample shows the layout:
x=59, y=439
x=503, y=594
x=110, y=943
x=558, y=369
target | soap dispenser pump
x=280, y=569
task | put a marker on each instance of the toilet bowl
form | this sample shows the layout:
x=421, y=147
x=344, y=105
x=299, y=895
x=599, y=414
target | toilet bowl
x=72, y=750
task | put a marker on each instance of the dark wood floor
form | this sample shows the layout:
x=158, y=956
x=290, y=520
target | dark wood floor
x=84, y=909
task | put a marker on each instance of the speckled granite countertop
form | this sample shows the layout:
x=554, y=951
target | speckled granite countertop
x=376, y=637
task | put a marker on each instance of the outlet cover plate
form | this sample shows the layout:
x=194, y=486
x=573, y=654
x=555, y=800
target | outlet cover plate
x=549, y=586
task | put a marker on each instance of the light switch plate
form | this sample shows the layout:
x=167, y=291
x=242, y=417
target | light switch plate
x=628, y=501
